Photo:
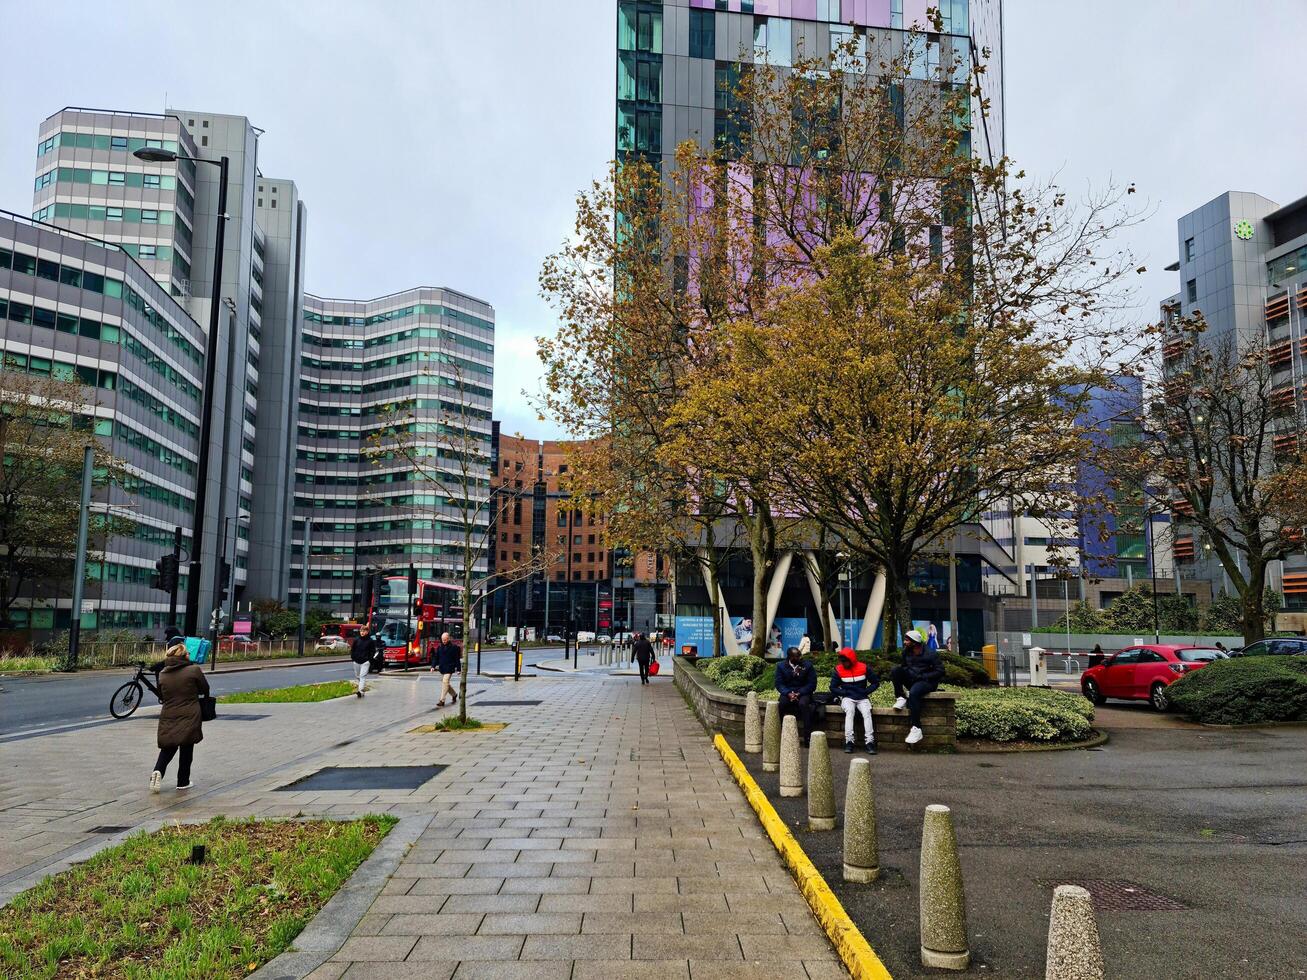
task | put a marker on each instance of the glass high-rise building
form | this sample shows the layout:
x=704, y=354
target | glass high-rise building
x=676, y=59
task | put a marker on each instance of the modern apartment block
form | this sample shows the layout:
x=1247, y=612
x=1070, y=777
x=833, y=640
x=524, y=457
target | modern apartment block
x=1242, y=262
x=422, y=358
x=676, y=59
x=81, y=309
x=162, y=215
x=595, y=585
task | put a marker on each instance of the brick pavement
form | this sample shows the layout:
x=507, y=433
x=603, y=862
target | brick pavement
x=599, y=835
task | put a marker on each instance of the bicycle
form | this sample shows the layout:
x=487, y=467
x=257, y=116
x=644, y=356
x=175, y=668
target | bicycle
x=128, y=698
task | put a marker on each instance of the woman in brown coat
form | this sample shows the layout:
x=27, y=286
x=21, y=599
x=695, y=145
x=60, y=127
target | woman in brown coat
x=181, y=685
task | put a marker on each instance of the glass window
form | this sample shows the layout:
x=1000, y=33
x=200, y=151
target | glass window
x=118, y=143
x=1188, y=249
x=46, y=269
x=626, y=18
x=649, y=31
x=625, y=127
x=113, y=214
x=149, y=217
x=1125, y=657
x=1191, y=290
x=93, y=281
x=703, y=33
x=1198, y=656
x=150, y=180
x=626, y=69
x=117, y=177
x=113, y=287
x=25, y=264
x=650, y=81
x=70, y=276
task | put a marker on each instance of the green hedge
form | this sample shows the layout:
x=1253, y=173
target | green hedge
x=1024, y=714
x=1003, y=714
x=959, y=671
x=1244, y=691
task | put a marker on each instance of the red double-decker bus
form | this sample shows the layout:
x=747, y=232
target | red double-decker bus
x=411, y=632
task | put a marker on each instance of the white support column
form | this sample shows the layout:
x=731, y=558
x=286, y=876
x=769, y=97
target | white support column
x=875, y=606
x=729, y=644
x=810, y=568
x=779, y=574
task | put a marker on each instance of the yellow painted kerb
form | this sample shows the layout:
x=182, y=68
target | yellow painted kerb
x=854, y=950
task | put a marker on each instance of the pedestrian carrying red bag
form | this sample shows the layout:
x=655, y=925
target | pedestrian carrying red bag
x=653, y=667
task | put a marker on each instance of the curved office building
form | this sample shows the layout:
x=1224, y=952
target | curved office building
x=423, y=358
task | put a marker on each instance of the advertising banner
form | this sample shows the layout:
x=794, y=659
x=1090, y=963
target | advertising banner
x=694, y=631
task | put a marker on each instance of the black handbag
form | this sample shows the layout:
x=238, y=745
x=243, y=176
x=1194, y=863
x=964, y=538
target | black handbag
x=208, y=708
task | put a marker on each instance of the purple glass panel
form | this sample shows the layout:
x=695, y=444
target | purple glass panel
x=868, y=13
x=771, y=8
x=914, y=12
x=804, y=9
x=703, y=4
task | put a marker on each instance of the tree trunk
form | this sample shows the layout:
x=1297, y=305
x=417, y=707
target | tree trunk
x=467, y=613
x=1253, y=603
x=762, y=549
x=898, y=603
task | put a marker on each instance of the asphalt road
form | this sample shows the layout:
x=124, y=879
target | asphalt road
x=1210, y=818
x=30, y=706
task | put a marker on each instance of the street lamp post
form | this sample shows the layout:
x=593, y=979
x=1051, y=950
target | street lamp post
x=154, y=154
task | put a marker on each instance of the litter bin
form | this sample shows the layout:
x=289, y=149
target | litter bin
x=689, y=650
x=989, y=657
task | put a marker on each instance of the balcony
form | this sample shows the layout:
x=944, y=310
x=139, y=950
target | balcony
x=1182, y=508
x=1183, y=549
x=1285, y=445
x=1282, y=398
x=1295, y=583
x=1281, y=354
x=1173, y=349
x=1277, y=307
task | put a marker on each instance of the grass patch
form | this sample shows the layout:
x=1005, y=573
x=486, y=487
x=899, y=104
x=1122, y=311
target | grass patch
x=456, y=724
x=140, y=910
x=300, y=693
x=28, y=665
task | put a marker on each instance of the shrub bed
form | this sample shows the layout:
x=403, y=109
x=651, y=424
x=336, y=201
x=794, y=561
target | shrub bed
x=1023, y=714
x=1002, y=714
x=959, y=671
x=1244, y=691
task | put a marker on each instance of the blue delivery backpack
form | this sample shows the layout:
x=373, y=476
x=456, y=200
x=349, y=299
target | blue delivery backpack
x=197, y=649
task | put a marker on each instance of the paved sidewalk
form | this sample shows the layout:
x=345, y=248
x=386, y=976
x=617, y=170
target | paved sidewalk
x=600, y=836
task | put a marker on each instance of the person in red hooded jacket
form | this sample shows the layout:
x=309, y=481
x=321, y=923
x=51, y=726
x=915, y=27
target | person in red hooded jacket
x=853, y=682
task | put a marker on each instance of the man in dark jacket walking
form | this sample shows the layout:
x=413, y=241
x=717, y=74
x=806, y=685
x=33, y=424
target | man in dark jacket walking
x=918, y=675
x=796, y=680
x=852, y=682
x=447, y=658
x=361, y=651
x=181, y=685
x=644, y=653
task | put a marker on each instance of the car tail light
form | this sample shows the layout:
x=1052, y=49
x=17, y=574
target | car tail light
x=1179, y=668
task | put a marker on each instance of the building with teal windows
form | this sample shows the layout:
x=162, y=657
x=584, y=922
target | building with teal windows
x=424, y=358
x=80, y=309
x=162, y=216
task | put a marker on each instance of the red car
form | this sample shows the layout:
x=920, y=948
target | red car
x=1143, y=673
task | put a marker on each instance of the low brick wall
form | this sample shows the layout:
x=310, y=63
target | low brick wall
x=723, y=712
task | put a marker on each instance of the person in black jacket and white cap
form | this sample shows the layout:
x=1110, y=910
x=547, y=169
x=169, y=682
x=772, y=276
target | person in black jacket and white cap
x=918, y=675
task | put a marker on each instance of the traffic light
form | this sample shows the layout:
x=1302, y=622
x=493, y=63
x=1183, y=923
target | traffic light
x=412, y=580
x=224, y=578
x=367, y=596
x=164, y=576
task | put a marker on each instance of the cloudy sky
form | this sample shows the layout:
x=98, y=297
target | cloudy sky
x=441, y=142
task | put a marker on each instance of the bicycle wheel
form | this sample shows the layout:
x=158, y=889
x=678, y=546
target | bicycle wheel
x=126, y=699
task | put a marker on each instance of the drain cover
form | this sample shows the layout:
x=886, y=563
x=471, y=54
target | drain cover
x=364, y=777
x=507, y=704
x=241, y=717
x=1118, y=895
x=109, y=828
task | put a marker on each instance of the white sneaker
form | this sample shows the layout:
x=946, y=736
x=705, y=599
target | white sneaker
x=900, y=704
x=192, y=782
x=914, y=736
x=156, y=778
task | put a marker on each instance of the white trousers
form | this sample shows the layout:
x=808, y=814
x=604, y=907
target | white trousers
x=850, y=708
x=362, y=670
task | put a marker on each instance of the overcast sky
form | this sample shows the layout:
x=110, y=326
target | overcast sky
x=441, y=142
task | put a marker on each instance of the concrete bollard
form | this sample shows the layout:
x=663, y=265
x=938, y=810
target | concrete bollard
x=861, y=850
x=752, y=723
x=771, y=737
x=942, y=907
x=791, y=759
x=1074, y=951
x=821, y=785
